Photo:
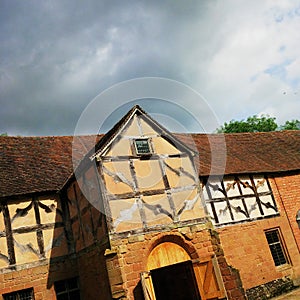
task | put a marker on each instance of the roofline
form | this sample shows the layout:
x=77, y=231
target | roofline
x=29, y=195
x=278, y=173
x=125, y=120
x=127, y=117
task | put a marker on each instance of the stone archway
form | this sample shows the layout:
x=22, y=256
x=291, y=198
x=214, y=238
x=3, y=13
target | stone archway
x=170, y=274
x=174, y=271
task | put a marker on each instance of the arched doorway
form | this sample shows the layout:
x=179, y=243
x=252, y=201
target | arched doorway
x=172, y=274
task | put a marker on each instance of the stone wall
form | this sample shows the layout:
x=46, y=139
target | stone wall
x=93, y=274
x=270, y=289
x=128, y=259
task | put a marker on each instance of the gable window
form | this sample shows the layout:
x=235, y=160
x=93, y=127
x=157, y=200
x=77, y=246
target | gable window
x=142, y=147
x=276, y=247
x=67, y=289
x=20, y=295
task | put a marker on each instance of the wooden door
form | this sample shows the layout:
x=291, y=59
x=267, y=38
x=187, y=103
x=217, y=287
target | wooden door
x=209, y=279
x=171, y=274
x=175, y=282
x=147, y=285
x=186, y=281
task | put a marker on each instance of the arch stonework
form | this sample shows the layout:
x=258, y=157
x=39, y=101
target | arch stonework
x=168, y=249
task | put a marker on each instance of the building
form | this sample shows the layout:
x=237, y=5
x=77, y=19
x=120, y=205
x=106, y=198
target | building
x=149, y=215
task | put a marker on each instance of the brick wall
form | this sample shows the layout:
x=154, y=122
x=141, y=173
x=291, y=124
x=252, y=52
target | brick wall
x=89, y=266
x=128, y=258
x=41, y=278
x=246, y=248
x=93, y=275
x=287, y=190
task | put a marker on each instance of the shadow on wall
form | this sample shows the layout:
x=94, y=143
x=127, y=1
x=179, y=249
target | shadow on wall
x=77, y=268
x=138, y=292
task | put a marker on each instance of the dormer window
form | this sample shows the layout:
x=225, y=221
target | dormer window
x=142, y=147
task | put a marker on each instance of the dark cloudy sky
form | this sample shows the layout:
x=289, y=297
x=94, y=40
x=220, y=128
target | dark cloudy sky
x=58, y=55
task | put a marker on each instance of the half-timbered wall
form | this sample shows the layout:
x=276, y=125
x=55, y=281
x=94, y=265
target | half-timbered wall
x=44, y=239
x=257, y=199
x=89, y=234
x=86, y=220
x=144, y=191
x=31, y=229
x=239, y=198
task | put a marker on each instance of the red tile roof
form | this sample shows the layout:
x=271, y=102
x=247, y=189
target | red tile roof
x=39, y=164
x=260, y=152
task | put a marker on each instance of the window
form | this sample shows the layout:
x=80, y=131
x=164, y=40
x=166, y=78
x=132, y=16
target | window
x=20, y=295
x=142, y=147
x=276, y=247
x=67, y=289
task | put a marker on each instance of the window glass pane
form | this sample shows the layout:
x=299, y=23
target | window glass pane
x=277, y=254
x=20, y=295
x=25, y=295
x=75, y=295
x=59, y=286
x=10, y=297
x=67, y=289
x=63, y=297
x=72, y=283
x=142, y=146
x=276, y=247
x=272, y=237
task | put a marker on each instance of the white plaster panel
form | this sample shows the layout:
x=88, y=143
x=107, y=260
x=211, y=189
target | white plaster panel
x=125, y=214
x=148, y=174
x=3, y=253
x=253, y=208
x=157, y=210
x=21, y=218
x=231, y=187
x=222, y=212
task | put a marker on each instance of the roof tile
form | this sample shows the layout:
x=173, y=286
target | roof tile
x=39, y=164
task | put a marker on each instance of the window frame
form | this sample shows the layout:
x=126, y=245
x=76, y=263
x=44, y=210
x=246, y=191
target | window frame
x=16, y=295
x=137, y=152
x=67, y=290
x=282, y=248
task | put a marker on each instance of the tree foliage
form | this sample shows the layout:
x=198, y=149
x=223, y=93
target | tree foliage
x=263, y=123
x=291, y=125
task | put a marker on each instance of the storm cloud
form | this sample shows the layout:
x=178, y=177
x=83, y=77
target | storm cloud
x=56, y=56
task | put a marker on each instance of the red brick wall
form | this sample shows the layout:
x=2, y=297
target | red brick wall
x=93, y=275
x=129, y=258
x=288, y=192
x=246, y=248
x=89, y=266
x=41, y=278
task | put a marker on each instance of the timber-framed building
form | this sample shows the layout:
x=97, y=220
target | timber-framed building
x=141, y=213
